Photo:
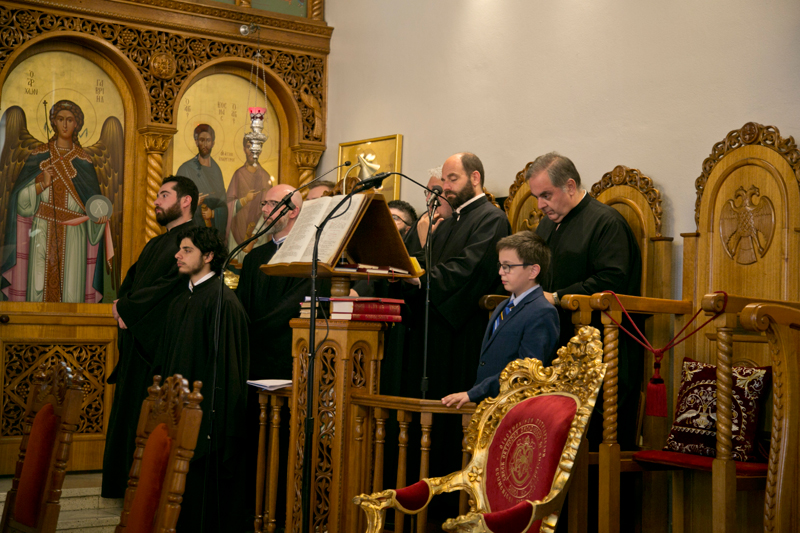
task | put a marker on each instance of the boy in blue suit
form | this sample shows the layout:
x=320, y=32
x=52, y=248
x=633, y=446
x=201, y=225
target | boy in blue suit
x=525, y=325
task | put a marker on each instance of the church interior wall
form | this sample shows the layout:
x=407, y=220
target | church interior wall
x=650, y=86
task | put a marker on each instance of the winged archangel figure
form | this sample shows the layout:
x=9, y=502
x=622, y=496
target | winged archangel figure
x=53, y=250
x=747, y=224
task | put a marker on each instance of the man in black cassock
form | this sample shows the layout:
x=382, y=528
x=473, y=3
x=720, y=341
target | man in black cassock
x=593, y=250
x=147, y=290
x=463, y=268
x=188, y=348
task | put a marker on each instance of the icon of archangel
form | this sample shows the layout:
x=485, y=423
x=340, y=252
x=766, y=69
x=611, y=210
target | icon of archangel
x=62, y=205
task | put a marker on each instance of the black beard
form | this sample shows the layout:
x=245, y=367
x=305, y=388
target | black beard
x=462, y=196
x=170, y=214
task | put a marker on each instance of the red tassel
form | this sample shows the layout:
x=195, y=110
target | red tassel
x=656, y=404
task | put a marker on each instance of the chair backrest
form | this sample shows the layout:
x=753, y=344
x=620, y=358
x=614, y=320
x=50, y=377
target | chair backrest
x=53, y=413
x=632, y=194
x=748, y=216
x=526, y=439
x=165, y=441
x=782, y=496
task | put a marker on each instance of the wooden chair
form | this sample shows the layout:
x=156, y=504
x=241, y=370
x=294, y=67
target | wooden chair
x=782, y=501
x=746, y=243
x=633, y=195
x=54, y=406
x=524, y=444
x=165, y=440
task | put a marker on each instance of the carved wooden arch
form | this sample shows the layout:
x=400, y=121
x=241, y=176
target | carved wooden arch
x=280, y=96
x=76, y=42
x=164, y=59
x=753, y=134
x=230, y=65
x=632, y=177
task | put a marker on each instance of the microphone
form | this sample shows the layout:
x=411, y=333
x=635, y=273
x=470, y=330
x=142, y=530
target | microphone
x=372, y=181
x=436, y=194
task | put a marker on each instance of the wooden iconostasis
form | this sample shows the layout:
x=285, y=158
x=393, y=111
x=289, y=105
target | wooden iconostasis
x=108, y=97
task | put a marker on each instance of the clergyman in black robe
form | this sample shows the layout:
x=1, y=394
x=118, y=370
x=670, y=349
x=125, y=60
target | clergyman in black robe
x=188, y=349
x=593, y=250
x=145, y=293
x=463, y=268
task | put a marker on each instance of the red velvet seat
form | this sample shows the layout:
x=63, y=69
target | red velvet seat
x=523, y=442
x=165, y=440
x=54, y=402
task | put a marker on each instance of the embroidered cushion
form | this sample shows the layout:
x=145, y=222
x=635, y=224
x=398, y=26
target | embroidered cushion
x=526, y=450
x=694, y=428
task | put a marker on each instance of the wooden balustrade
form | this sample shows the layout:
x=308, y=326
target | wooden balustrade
x=371, y=416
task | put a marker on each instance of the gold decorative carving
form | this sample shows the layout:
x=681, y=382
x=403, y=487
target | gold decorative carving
x=303, y=73
x=632, y=177
x=326, y=421
x=22, y=362
x=317, y=9
x=751, y=133
x=306, y=160
x=743, y=218
x=577, y=371
x=724, y=393
x=163, y=65
x=611, y=383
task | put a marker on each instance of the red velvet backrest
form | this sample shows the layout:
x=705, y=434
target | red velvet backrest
x=151, y=480
x=38, y=457
x=526, y=450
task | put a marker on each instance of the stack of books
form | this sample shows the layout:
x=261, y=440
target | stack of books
x=366, y=309
x=305, y=307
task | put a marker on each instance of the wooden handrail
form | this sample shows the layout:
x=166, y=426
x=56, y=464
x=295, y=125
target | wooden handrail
x=603, y=301
x=414, y=405
x=715, y=302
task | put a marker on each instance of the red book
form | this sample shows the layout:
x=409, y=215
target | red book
x=379, y=306
x=366, y=317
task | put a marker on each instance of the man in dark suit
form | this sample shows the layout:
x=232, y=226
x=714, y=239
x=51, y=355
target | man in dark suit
x=523, y=326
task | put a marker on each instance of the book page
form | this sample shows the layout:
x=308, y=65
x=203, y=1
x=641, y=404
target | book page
x=303, y=231
x=336, y=230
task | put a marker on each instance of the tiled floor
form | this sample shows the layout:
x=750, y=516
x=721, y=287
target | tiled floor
x=71, y=481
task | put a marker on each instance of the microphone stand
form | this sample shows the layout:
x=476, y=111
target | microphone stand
x=312, y=350
x=285, y=205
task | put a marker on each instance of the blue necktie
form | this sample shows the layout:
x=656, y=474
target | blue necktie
x=504, y=313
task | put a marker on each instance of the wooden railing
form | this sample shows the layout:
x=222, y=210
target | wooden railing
x=370, y=415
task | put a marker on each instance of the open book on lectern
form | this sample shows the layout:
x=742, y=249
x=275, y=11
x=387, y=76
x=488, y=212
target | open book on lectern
x=361, y=232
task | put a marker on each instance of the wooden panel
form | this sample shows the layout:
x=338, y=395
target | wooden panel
x=35, y=333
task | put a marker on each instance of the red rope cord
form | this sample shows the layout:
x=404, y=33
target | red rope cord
x=658, y=353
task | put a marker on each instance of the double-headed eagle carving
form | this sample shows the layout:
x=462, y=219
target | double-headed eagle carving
x=747, y=225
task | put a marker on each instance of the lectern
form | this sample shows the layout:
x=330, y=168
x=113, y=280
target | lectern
x=348, y=359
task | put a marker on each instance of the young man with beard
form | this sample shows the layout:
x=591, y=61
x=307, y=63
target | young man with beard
x=188, y=348
x=147, y=289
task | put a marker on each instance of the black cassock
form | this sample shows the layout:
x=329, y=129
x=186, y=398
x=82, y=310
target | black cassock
x=594, y=250
x=149, y=286
x=270, y=302
x=188, y=349
x=464, y=259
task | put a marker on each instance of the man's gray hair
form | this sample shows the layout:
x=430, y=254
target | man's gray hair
x=559, y=168
x=436, y=172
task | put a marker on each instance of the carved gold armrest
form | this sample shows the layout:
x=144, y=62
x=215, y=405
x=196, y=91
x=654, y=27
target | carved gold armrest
x=489, y=302
x=376, y=504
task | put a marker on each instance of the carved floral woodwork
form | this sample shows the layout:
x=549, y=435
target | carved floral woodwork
x=632, y=177
x=306, y=159
x=165, y=59
x=21, y=363
x=751, y=133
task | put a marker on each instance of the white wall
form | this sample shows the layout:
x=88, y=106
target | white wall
x=651, y=85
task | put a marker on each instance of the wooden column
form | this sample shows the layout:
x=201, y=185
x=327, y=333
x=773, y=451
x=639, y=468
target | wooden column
x=348, y=360
x=155, y=144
